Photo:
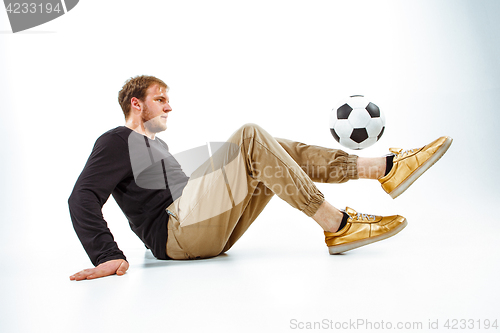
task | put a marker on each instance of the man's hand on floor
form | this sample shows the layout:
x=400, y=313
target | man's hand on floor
x=118, y=267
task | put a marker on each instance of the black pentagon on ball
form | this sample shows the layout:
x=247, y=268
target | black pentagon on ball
x=359, y=135
x=335, y=135
x=373, y=110
x=344, y=111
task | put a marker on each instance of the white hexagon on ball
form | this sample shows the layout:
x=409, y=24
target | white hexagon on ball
x=359, y=118
x=374, y=127
x=343, y=128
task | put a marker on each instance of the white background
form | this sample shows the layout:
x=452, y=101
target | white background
x=432, y=66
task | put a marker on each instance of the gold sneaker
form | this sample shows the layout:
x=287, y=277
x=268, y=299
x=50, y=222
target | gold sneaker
x=410, y=164
x=363, y=229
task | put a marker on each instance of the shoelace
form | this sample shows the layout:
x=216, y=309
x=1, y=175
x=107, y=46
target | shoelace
x=362, y=217
x=405, y=152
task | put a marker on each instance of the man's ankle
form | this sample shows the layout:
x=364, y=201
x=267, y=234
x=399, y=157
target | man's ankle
x=371, y=168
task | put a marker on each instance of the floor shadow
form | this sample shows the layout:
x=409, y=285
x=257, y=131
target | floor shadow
x=151, y=261
x=27, y=32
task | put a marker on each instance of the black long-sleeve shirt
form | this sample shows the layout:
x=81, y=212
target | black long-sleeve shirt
x=134, y=169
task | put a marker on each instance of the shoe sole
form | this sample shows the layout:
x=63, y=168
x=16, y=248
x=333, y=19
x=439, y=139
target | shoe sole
x=354, y=245
x=423, y=168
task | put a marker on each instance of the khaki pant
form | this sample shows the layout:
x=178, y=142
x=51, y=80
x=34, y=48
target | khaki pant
x=226, y=194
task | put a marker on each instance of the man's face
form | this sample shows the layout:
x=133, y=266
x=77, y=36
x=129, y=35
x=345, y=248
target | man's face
x=155, y=109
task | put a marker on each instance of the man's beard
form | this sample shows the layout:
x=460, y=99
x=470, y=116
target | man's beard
x=153, y=124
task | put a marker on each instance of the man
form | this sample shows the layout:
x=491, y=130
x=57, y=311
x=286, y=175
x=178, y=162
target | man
x=204, y=214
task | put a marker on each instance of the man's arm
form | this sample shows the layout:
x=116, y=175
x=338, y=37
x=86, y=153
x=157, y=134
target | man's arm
x=107, y=165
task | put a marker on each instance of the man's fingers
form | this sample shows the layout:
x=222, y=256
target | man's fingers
x=82, y=275
x=108, y=268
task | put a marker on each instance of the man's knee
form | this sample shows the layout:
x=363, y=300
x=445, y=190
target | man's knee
x=250, y=130
x=250, y=127
x=248, y=133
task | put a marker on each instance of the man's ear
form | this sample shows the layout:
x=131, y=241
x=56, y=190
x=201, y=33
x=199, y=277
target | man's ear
x=135, y=105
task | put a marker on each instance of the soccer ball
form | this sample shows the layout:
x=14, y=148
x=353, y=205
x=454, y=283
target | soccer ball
x=357, y=123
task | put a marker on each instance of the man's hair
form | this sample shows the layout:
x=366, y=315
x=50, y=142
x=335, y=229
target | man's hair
x=136, y=87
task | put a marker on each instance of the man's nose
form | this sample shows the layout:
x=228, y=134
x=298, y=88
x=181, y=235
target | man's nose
x=167, y=108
